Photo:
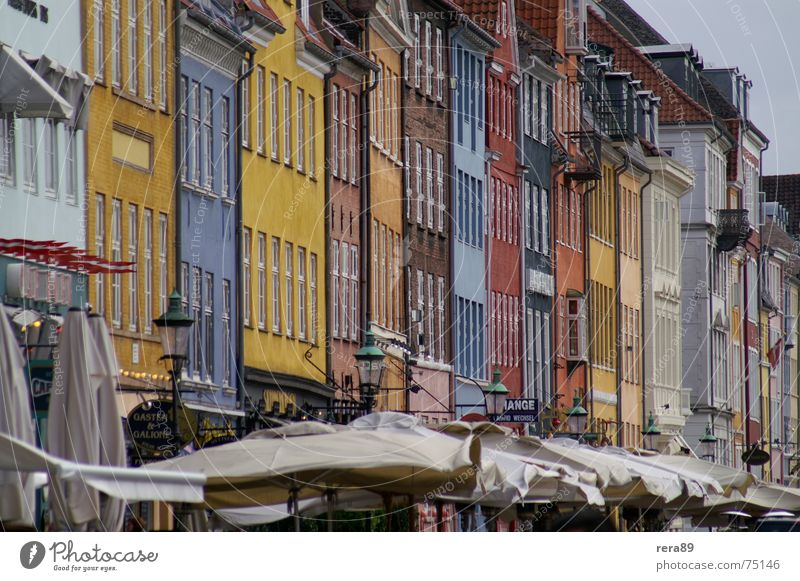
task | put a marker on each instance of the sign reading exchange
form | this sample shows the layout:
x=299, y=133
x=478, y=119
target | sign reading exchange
x=150, y=426
x=518, y=411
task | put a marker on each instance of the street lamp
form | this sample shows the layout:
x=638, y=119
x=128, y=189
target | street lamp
x=577, y=417
x=370, y=366
x=495, y=395
x=651, y=433
x=173, y=328
x=708, y=445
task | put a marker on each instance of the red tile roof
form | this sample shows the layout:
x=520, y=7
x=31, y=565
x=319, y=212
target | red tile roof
x=262, y=8
x=676, y=105
x=485, y=9
x=543, y=15
x=311, y=34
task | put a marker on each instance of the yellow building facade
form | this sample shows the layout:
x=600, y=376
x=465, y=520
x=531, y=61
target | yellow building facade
x=387, y=37
x=130, y=177
x=283, y=208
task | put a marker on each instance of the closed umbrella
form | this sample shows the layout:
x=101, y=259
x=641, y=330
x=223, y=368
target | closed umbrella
x=17, y=501
x=112, y=441
x=73, y=431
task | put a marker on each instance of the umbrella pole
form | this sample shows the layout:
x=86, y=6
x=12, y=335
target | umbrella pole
x=331, y=498
x=294, y=506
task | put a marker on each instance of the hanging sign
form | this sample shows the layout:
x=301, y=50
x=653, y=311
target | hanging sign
x=518, y=411
x=151, y=428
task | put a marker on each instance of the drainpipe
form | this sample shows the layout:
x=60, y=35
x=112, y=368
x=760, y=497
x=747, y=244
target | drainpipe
x=179, y=154
x=241, y=390
x=642, y=360
x=554, y=269
x=365, y=216
x=618, y=171
x=588, y=395
x=326, y=115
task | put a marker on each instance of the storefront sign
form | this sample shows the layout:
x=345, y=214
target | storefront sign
x=151, y=428
x=518, y=411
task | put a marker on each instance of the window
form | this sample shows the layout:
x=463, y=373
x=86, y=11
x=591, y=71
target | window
x=288, y=261
x=335, y=286
x=439, y=66
x=71, y=166
x=148, y=271
x=313, y=285
x=545, y=205
x=287, y=122
x=208, y=326
x=575, y=22
x=116, y=55
x=208, y=138
x=429, y=184
x=226, y=332
x=354, y=292
x=419, y=183
x=301, y=127
x=302, y=293
x=375, y=267
x=133, y=58
x=185, y=288
x=99, y=19
x=420, y=338
x=343, y=134
x=273, y=105
x=431, y=342
x=133, y=282
x=184, y=127
x=197, y=329
x=353, y=142
x=29, y=153
x=428, y=60
x=260, y=103
x=417, y=59
x=245, y=127
x=576, y=329
x=246, y=249
x=384, y=287
x=345, y=283
x=312, y=154
x=440, y=189
x=225, y=131
x=335, y=153
x=440, y=336
x=162, y=54
x=7, y=148
x=196, y=138
x=100, y=250
x=50, y=158
x=162, y=261
x=526, y=217
x=276, y=285
x=262, y=281
x=147, y=27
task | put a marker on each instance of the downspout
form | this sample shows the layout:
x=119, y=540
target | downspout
x=326, y=115
x=588, y=395
x=240, y=376
x=618, y=171
x=759, y=273
x=365, y=216
x=554, y=194
x=640, y=331
x=407, y=373
x=179, y=154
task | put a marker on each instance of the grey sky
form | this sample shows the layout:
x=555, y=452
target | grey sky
x=761, y=38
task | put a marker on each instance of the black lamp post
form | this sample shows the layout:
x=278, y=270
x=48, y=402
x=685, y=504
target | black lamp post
x=708, y=445
x=370, y=366
x=495, y=395
x=173, y=328
x=577, y=418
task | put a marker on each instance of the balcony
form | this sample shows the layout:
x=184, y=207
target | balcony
x=585, y=165
x=733, y=228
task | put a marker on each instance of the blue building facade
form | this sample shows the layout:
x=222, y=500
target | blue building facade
x=211, y=60
x=469, y=46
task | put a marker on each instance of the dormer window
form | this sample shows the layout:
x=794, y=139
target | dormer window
x=575, y=23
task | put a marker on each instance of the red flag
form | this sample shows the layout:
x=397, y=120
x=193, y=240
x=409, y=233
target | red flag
x=774, y=354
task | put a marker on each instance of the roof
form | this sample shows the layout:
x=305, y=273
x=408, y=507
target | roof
x=542, y=15
x=676, y=104
x=774, y=236
x=217, y=20
x=716, y=101
x=786, y=190
x=313, y=39
x=262, y=8
x=636, y=29
x=484, y=9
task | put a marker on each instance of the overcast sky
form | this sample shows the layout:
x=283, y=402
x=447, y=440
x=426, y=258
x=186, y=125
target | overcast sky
x=762, y=38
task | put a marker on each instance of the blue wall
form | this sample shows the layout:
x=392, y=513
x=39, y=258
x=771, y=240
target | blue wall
x=208, y=220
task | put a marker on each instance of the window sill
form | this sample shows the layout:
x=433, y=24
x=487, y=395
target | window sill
x=128, y=96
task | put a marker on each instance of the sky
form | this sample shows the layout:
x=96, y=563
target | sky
x=760, y=37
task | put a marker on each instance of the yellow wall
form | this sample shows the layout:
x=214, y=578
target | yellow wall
x=602, y=268
x=114, y=116
x=280, y=201
x=386, y=190
x=764, y=389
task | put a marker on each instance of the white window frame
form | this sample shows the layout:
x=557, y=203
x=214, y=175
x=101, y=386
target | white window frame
x=100, y=250
x=345, y=288
x=98, y=23
x=312, y=139
x=162, y=260
x=428, y=58
x=440, y=189
x=301, y=127
x=429, y=184
x=302, y=292
x=288, y=250
x=335, y=289
x=208, y=137
x=273, y=91
x=276, y=285
x=116, y=41
x=133, y=48
x=262, y=281
x=148, y=270
x=162, y=54
x=133, y=278
x=50, y=158
x=419, y=191
x=354, y=305
x=313, y=286
x=247, y=244
x=260, y=103
x=287, y=122
x=147, y=28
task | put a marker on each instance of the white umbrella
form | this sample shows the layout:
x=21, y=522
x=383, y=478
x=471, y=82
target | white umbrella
x=73, y=431
x=300, y=462
x=127, y=484
x=17, y=502
x=112, y=441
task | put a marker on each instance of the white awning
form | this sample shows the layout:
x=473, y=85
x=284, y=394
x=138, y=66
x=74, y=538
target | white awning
x=212, y=409
x=129, y=484
x=25, y=93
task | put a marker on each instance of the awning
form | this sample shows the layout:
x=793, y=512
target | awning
x=129, y=484
x=25, y=93
x=212, y=409
x=73, y=86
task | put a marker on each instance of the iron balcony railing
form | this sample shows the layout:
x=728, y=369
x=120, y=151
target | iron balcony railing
x=733, y=228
